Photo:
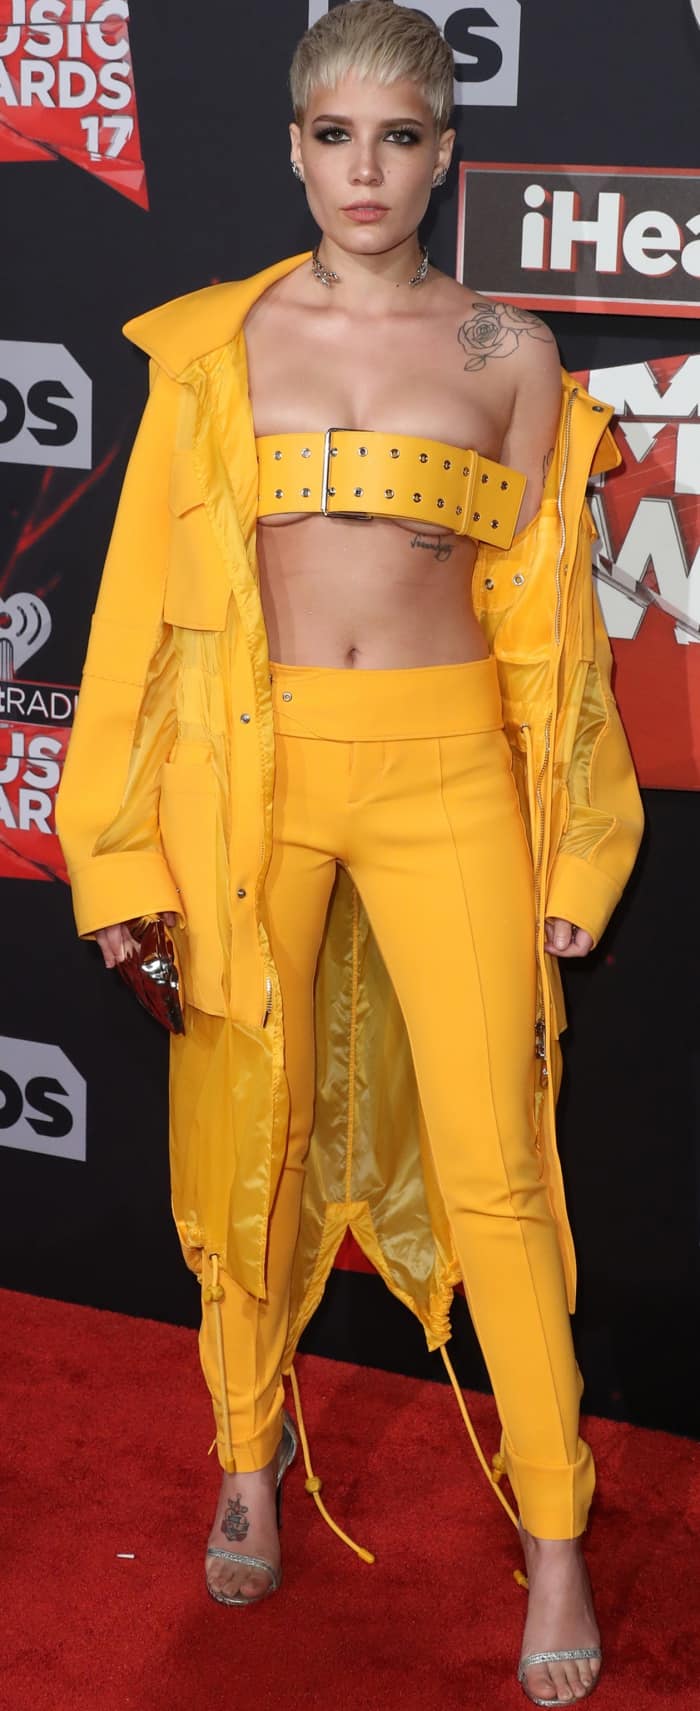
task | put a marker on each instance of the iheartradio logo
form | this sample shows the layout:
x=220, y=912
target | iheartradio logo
x=583, y=238
x=651, y=242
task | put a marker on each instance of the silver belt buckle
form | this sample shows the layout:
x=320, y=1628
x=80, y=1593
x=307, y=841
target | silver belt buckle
x=326, y=468
x=352, y=516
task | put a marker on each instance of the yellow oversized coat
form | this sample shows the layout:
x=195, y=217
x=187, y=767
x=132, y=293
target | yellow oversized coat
x=166, y=803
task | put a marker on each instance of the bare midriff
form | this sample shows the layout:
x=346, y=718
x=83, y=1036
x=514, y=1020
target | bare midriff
x=348, y=592
x=341, y=592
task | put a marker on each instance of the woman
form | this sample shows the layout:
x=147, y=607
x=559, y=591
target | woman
x=304, y=713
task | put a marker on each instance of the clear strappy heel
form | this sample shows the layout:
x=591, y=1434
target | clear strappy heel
x=288, y=1450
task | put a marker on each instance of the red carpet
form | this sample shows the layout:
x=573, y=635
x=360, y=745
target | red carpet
x=106, y=1427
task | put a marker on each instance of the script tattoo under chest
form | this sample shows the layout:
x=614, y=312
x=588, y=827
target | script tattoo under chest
x=433, y=544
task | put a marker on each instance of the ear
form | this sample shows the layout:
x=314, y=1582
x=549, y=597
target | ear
x=295, y=140
x=446, y=144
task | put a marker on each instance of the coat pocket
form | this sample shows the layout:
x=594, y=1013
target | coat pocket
x=190, y=830
x=197, y=588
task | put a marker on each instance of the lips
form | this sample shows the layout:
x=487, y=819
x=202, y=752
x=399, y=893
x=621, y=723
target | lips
x=365, y=213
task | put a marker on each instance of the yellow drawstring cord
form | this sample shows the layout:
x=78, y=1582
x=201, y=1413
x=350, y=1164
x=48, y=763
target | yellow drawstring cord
x=494, y=1474
x=313, y=1483
x=213, y=1294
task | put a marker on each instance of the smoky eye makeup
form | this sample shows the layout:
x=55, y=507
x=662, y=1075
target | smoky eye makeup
x=336, y=133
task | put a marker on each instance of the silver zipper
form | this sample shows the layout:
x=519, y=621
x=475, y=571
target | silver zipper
x=540, y=805
x=540, y=1024
x=268, y=1000
x=562, y=547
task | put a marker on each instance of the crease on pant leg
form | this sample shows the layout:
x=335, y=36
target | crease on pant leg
x=518, y=1466
x=212, y=1296
x=259, y=1446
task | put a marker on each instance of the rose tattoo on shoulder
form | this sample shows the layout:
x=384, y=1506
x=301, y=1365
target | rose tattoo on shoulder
x=495, y=330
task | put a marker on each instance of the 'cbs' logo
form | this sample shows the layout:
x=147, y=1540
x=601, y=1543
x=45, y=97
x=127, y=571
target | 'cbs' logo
x=485, y=41
x=42, y=1100
x=45, y=406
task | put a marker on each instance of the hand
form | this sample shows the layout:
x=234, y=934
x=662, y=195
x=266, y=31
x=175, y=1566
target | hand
x=565, y=939
x=117, y=942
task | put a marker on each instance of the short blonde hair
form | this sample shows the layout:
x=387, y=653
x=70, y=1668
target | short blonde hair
x=378, y=40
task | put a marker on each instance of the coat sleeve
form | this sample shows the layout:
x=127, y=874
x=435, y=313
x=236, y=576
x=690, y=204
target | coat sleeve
x=596, y=853
x=107, y=803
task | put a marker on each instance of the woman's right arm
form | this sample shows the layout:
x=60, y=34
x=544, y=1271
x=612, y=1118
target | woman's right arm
x=107, y=804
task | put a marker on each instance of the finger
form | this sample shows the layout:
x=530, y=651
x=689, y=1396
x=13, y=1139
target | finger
x=129, y=943
x=109, y=941
x=580, y=945
x=558, y=933
x=112, y=943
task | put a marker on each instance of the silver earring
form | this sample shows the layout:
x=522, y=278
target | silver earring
x=442, y=175
x=296, y=169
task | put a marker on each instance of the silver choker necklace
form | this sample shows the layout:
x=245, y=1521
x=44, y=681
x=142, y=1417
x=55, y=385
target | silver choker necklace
x=326, y=276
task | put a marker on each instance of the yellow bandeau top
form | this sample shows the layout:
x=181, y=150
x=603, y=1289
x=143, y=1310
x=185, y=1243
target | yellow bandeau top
x=353, y=472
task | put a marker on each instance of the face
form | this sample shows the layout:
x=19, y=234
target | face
x=369, y=153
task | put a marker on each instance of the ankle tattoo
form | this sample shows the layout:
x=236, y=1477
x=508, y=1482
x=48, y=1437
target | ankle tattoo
x=234, y=1525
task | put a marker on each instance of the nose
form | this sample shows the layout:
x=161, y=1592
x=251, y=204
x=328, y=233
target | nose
x=365, y=166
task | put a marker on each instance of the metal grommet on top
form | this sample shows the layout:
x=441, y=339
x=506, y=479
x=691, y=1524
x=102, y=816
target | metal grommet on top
x=518, y=579
x=422, y=457
x=504, y=485
x=484, y=478
x=417, y=498
x=489, y=583
x=394, y=452
x=441, y=504
x=279, y=493
x=245, y=717
x=358, y=492
x=447, y=463
x=599, y=408
x=305, y=492
x=388, y=492
x=241, y=891
x=277, y=456
x=362, y=451
x=306, y=451
x=286, y=695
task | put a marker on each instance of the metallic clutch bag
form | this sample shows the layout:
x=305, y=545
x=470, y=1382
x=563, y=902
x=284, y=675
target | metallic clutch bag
x=153, y=973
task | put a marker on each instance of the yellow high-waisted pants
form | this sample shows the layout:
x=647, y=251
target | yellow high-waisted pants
x=405, y=777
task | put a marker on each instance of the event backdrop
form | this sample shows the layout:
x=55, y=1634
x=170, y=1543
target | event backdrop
x=143, y=153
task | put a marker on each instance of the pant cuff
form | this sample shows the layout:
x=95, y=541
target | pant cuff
x=250, y=1454
x=553, y=1501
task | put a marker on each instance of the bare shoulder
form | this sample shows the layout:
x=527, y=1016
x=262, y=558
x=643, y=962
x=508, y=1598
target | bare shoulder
x=491, y=331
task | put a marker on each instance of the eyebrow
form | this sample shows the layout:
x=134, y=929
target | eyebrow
x=385, y=124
